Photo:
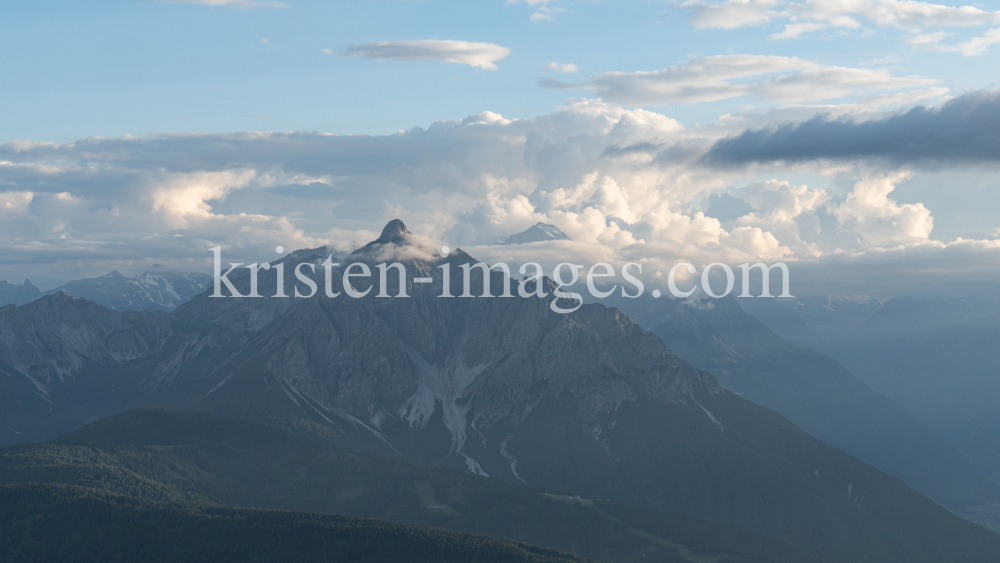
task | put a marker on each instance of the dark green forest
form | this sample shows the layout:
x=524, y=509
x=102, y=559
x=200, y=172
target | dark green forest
x=59, y=523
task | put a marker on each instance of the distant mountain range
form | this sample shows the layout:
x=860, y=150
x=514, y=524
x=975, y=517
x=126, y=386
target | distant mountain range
x=935, y=356
x=503, y=390
x=535, y=233
x=813, y=390
x=11, y=294
x=155, y=289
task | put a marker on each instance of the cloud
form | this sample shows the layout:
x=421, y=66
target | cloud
x=777, y=207
x=545, y=9
x=977, y=45
x=813, y=15
x=731, y=14
x=927, y=38
x=796, y=30
x=234, y=3
x=483, y=55
x=564, y=68
x=625, y=184
x=880, y=221
x=964, y=129
x=971, y=48
x=722, y=77
x=12, y=203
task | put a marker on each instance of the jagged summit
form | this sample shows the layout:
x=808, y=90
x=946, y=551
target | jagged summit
x=393, y=231
x=13, y=294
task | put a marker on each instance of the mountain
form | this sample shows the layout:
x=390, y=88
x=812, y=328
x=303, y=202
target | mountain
x=535, y=233
x=51, y=523
x=63, y=361
x=11, y=294
x=813, y=391
x=153, y=290
x=583, y=404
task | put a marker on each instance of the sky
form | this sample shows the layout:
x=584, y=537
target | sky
x=856, y=140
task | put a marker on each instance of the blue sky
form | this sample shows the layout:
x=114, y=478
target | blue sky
x=136, y=67
x=141, y=132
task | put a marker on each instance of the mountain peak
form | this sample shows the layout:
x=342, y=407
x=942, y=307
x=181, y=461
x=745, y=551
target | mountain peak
x=394, y=230
x=13, y=294
x=536, y=233
x=394, y=233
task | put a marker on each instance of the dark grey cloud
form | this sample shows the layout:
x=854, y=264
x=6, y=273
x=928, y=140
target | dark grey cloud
x=965, y=129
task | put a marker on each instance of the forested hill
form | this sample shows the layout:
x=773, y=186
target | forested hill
x=63, y=524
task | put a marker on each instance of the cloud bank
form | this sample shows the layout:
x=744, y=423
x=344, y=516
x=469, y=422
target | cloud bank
x=625, y=185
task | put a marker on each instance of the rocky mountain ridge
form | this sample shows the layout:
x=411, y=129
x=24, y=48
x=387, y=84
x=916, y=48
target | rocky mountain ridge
x=155, y=289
